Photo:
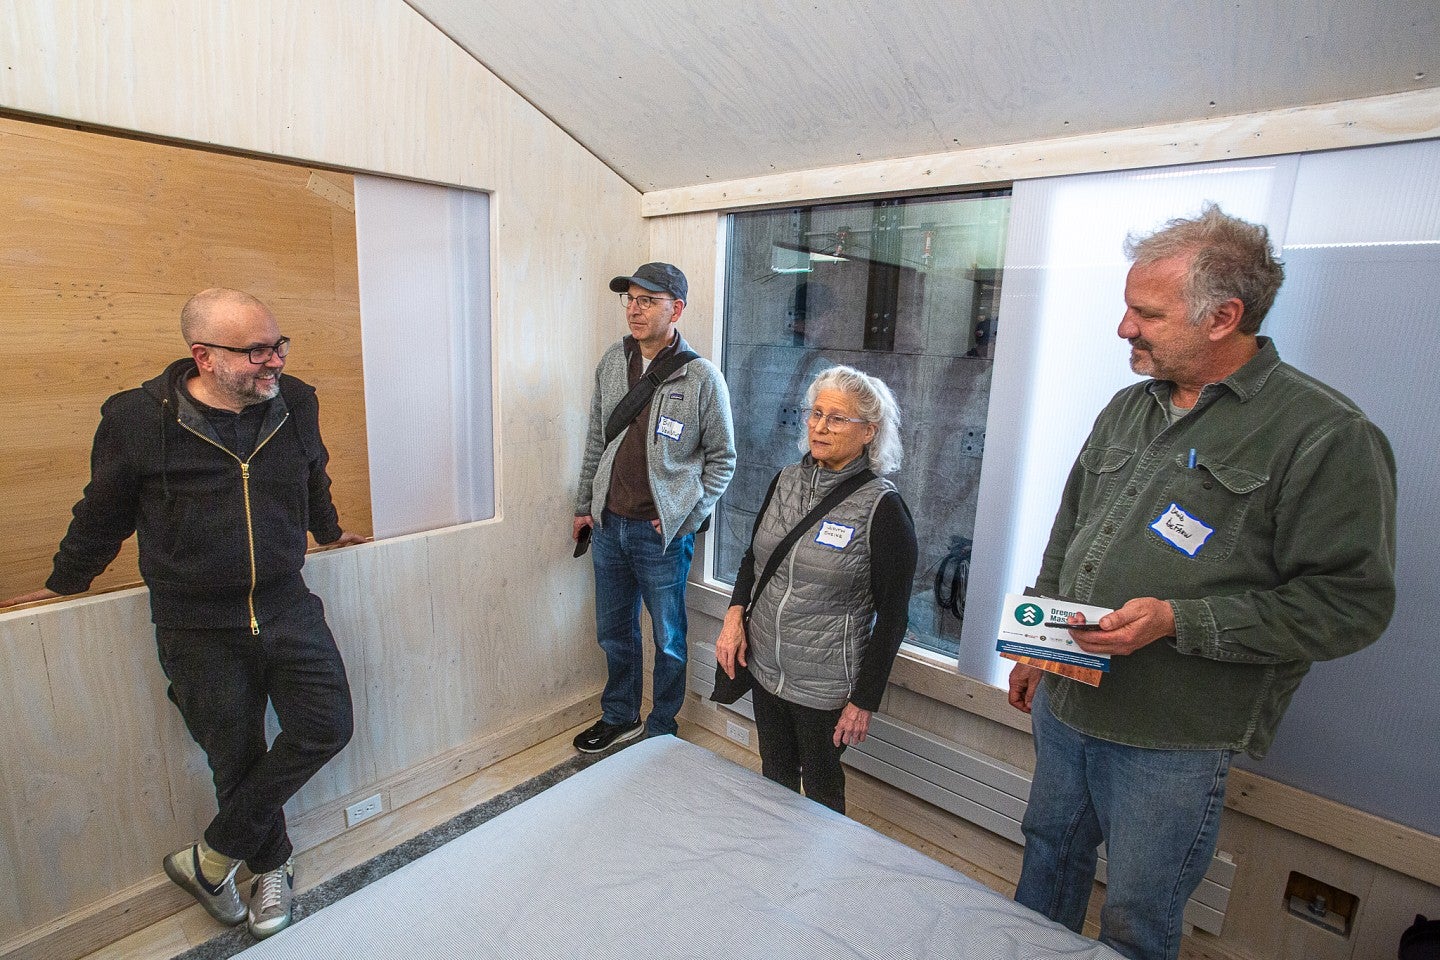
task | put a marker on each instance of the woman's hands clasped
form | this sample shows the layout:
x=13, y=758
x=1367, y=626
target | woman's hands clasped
x=730, y=646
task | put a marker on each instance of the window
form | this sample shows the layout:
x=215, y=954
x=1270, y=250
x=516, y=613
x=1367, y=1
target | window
x=905, y=289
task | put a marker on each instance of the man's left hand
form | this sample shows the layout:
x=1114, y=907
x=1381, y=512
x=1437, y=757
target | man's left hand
x=348, y=540
x=1139, y=622
x=853, y=725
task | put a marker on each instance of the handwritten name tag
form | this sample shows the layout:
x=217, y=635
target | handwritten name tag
x=670, y=428
x=835, y=535
x=1182, y=531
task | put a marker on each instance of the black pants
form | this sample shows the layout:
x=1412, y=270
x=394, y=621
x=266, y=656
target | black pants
x=221, y=680
x=797, y=746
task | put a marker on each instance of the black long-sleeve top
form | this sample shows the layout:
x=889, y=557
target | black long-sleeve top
x=893, y=556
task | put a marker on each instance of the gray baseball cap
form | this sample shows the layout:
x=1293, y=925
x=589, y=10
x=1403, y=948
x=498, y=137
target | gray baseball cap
x=659, y=277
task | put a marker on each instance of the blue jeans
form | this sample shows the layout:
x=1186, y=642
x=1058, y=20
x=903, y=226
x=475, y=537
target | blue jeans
x=1158, y=812
x=630, y=564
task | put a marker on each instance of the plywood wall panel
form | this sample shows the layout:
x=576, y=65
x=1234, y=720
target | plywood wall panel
x=517, y=649
x=689, y=242
x=1257, y=922
x=498, y=624
x=410, y=694
x=22, y=709
x=343, y=579
x=78, y=202
x=102, y=239
x=111, y=792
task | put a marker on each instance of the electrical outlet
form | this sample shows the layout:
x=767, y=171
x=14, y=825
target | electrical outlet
x=362, y=811
x=738, y=733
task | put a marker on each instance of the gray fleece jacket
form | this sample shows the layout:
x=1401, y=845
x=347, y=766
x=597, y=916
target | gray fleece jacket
x=690, y=461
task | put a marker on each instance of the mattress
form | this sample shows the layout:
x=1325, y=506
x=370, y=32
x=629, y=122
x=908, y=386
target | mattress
x=666, y=850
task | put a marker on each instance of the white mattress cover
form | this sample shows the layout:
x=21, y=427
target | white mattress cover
x=667, y=850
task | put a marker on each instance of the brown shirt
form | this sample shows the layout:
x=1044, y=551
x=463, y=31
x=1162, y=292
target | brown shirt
x=630, y=494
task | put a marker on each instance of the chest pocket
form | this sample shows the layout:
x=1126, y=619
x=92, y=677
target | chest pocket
x=1101, y=466
x=1219, y=495
x=676, y=414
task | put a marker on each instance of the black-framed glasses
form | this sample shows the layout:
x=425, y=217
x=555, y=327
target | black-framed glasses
x=259, y=354
x=833, y=420
x=645, y=303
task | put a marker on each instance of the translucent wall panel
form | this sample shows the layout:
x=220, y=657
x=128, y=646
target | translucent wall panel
x=1360, y=309
x=424, y=262
x=1058, y=358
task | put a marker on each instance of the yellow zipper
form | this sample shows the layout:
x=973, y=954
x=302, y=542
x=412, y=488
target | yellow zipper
x=249, y=519
x=250, y=536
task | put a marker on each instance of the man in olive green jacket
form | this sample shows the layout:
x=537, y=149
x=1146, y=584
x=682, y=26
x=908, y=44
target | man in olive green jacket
x=1239, y=516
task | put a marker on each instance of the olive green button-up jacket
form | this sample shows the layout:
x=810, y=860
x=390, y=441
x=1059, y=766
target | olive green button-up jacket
x=1276, y=548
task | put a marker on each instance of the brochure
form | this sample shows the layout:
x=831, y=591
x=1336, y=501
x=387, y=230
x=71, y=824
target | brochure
x=1024, y=637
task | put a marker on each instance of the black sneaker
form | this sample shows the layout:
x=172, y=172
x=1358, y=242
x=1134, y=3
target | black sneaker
x=602, y=736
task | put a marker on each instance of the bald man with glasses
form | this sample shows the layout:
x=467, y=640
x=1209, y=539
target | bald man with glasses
x=218, y=468
x=647, y=486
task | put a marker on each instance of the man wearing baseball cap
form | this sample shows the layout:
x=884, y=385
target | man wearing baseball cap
x=647, y=485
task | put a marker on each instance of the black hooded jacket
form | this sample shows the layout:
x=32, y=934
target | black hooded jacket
x=221, y=541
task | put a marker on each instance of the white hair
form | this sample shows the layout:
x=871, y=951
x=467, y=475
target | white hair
x=875, y=404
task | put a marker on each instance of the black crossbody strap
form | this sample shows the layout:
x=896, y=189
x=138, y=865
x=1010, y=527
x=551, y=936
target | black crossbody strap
x=782, y=550
x=633, y=402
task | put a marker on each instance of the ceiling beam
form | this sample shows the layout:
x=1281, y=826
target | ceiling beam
x=1414, y=115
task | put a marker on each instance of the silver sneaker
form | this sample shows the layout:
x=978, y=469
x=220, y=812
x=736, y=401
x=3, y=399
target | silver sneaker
x=272, y=901
x=221, y=900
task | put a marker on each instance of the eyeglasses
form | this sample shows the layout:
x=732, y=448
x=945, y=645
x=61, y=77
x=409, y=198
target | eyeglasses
x=645, y=303
x=258, y=355
x=833, y=420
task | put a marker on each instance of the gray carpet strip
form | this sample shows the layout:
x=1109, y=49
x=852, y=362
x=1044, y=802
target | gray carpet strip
x=232, y=941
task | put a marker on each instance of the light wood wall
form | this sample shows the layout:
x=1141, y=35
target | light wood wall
x=102, y=240
x=358, y=85
x=461, y=644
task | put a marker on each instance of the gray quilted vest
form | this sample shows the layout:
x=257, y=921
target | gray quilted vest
x=809, y=629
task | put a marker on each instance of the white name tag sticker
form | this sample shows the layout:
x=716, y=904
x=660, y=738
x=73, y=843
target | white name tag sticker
x=670, y=428
x=833, y=534
x=1182, y=531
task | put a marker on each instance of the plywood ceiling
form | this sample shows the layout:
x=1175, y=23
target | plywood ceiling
x=681, y=92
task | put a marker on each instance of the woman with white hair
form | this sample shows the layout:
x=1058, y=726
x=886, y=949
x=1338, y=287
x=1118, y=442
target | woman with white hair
x=817, y=616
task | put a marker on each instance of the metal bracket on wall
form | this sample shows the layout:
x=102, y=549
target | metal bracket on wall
x=791, y=417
